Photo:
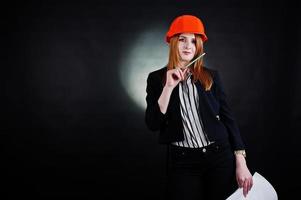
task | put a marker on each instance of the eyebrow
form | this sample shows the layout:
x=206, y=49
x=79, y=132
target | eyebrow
x=186, y=37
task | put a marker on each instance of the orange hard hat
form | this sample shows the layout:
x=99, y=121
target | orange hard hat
x=186, y=24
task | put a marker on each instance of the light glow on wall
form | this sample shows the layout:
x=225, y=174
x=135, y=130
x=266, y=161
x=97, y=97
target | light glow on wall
x=147, y=53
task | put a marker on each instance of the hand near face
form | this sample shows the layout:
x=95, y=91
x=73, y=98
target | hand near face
x=174, y=76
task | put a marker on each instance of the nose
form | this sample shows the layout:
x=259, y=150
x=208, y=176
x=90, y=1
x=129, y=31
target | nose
x=187, y=45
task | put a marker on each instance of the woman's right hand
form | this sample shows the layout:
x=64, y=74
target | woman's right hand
x=174, y=76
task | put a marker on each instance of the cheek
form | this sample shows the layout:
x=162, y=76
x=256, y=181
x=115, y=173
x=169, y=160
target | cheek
x=180, y=46
x=194, y=48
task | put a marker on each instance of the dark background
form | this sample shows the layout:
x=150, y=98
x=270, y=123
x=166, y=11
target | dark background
x=69, y=129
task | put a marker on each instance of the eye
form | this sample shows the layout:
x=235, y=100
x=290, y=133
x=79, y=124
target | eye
x=181, y=39
x=193, y=41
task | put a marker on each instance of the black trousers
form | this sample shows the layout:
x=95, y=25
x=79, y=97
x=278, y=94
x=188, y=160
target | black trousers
x=206, y=173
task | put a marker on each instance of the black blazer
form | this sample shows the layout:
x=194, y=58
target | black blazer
x=219, y=123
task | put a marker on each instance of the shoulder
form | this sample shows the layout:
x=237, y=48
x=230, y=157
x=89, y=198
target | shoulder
x=215, y=75
x=212, y=72
x=157, y=74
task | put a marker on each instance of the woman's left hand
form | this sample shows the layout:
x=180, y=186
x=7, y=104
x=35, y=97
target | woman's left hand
x=243, y=176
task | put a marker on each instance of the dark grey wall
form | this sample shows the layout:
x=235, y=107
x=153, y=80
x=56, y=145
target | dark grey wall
x=69, y=129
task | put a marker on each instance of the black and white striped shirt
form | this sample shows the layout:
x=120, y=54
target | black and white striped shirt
x=193, y=129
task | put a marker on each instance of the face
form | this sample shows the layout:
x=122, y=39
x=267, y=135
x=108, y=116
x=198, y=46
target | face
x=186, y=47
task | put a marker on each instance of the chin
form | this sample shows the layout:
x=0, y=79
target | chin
x=187, y=59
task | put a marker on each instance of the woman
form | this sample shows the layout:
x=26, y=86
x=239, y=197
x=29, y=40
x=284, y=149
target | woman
x=188, y=106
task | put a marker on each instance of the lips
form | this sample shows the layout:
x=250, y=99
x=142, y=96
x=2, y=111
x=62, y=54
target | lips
x=186, y=52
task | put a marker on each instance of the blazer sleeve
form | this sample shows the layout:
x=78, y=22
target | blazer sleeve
x=154, y=118
x=227, y=117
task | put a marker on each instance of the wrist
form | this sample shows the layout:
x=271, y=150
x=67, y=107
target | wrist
x=168, y=88
x=240, y=158
x=240, y=164
x=240, y=153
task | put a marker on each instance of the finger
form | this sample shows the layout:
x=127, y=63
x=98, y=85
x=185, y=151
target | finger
x=238, y=182
x=245, y=188
x=250, y=183
x=241, y=182
x=185, y=72
x=176, y=75
x=182, y=74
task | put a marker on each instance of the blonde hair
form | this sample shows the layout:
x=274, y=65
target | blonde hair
x=198, y=70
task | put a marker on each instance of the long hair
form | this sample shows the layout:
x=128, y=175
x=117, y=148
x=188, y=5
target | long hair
x=198, y=71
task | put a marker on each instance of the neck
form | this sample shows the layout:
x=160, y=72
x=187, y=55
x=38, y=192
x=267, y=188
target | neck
x=182, y=64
